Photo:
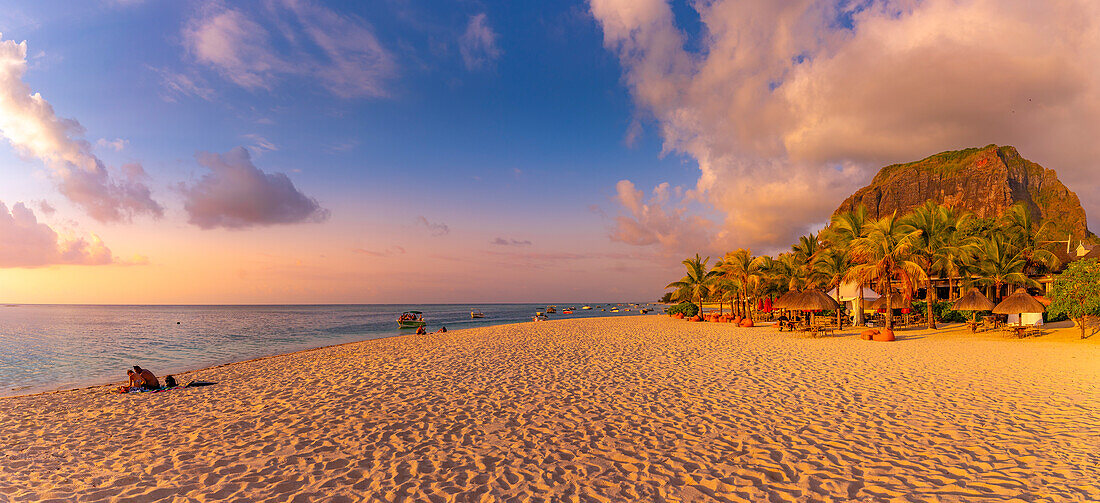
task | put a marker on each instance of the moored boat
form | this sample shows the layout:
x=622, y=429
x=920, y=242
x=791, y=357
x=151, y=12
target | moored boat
x=476, y=313
x=551, y=309
x=411, y=319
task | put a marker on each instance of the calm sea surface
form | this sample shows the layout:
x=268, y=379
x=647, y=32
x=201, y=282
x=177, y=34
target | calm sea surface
x=51, y=347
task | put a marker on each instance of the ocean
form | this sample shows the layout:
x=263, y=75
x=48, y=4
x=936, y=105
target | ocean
x=56, y=347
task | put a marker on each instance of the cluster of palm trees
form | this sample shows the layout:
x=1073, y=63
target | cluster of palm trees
x=895, y=255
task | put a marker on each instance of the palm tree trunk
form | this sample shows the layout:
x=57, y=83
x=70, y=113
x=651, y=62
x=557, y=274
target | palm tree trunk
x=889, y=310
x=930, y=299
x=858, y=308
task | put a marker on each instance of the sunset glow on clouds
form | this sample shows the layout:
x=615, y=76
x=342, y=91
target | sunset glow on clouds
x=789, y=106
x=302, y=151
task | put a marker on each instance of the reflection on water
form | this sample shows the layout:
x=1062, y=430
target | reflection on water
x=47, y=347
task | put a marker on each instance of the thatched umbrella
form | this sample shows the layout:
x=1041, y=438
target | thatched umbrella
x=896, y=302
x=1019, y=303
x=812, y=300
x=784, y=301
x=973, y=301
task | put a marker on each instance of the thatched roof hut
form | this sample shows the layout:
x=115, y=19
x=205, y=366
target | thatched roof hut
x=784, y=301
x=897, y=301
x=973, y=301
x=811, y=300
x=1019, y=302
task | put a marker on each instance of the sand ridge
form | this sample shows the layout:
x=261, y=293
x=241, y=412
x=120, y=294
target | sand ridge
x=611, y=409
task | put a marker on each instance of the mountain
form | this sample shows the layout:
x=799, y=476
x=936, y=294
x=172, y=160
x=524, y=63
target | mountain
x=983, y=180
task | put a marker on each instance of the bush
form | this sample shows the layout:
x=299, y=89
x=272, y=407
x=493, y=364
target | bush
x=942, y=312
x=685, y=307
x=1076, y=293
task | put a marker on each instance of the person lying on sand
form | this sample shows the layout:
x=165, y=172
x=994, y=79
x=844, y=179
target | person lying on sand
x=149, y=381
x=442, y=330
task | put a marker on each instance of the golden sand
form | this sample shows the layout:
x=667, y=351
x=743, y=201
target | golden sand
x=619, y=409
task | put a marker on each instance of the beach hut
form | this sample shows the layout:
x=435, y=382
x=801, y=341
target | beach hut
x=784, y=300
x=813, y=300
x=973, y=301
x=1019, y=303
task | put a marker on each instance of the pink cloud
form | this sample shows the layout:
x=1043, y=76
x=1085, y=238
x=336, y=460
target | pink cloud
x=28, y=243
x=478, y=45
x=31, y=126
x=236, y=194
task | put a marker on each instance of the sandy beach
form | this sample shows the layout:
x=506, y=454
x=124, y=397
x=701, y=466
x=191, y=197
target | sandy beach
x=628, y=409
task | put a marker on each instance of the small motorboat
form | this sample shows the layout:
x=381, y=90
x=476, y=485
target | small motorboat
x=551, y=309
x=567, y=311
x=585, y=308
x=615, y=310
x=476, y=313
x=411, y=319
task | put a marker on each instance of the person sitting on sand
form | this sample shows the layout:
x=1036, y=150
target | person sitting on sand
x=149, y=381
x=420, y=330
x=135, y=380
x=443, y=330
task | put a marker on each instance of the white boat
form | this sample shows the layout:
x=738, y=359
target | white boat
x=476, y=313
x=586, y=308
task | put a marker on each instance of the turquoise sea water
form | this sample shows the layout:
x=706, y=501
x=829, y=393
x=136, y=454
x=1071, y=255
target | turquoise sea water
x=52, y=347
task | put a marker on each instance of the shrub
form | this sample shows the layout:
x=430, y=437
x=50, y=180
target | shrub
x=942, y=311
x=1076, y=293
x=685, y=307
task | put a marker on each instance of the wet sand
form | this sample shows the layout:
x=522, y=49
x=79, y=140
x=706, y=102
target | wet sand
x=620, y=409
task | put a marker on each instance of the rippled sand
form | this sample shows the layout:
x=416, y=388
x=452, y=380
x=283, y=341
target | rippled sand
x=626, y=409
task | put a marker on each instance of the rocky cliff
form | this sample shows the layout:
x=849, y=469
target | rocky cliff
x=984, y=180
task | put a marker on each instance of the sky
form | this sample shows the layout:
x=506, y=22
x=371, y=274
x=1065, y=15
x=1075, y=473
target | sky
x=407, y=151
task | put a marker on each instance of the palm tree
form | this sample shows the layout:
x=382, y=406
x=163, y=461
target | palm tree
x=845, y=228
x=744, y=270
x=1020, y=228
x=695, y=285
x=1000, y=263
x=884, y=254
x=933, y=225
x=830, y=265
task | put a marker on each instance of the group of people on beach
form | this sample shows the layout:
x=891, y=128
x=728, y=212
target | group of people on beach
x=144, y=379
x=421, y=331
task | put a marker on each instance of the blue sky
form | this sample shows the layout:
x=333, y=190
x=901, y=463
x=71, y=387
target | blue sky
x=307, y=151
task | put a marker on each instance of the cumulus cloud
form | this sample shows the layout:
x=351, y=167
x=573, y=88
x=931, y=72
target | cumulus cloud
x=787, y=107
x=28, y=243
x=659, y=219
x=235, y=194
x=435, y=228
x=290, y=38
x=510, y=242
x=31, y=126
x=478, y=44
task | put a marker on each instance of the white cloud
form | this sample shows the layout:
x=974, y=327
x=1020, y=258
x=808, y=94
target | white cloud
x=658, y=220
x=28, y=243
x=290, y=38
x=790, y=106
x=236, y=194
x=510, y=242
x=478, y=44
x=117, y=144
x=178, y=85
x=261, y=144
x=31, y=126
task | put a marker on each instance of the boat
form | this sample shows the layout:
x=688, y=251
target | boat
x=539, y=317
x=567, y=311
x=615, y=310
x=476, y=313
x=411, y=319
x=551, y=309
x=585, y=308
